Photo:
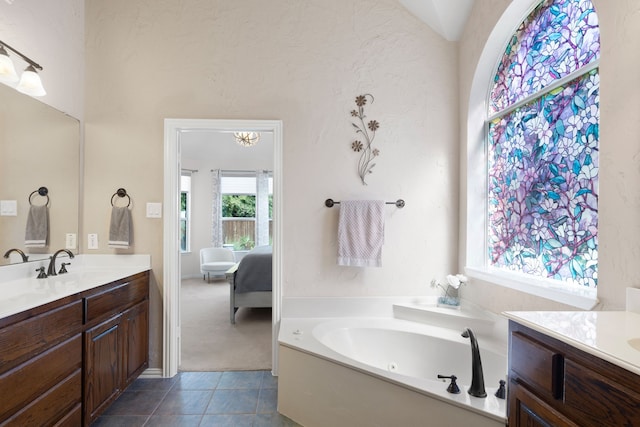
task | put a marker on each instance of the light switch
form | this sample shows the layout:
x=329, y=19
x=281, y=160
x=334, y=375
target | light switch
x=8, y=208
x=154, y=210
x=92, y=241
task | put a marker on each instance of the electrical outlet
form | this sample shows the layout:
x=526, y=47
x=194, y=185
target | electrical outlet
x=71, y=241
x=92, y=241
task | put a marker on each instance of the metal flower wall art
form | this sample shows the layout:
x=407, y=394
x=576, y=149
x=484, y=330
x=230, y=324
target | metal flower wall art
x=366, y=134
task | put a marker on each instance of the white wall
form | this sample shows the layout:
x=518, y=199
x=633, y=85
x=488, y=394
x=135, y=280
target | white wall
x=51, y=33
x=303, y=62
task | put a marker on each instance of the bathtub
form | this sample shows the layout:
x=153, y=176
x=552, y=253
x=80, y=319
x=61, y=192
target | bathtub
x=383, y=372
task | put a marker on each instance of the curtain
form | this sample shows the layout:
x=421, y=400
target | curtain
x=216, y=209
x=262, y=208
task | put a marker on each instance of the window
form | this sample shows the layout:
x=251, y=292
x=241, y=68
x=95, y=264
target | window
x=542, y=147
x=185, y=213
x=243, y=227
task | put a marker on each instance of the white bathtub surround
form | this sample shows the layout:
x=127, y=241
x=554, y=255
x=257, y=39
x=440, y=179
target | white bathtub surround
x=482, y=322
x=366, y=367
x=21, y=290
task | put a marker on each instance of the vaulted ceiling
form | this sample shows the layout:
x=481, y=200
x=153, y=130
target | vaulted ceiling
x=446, y=17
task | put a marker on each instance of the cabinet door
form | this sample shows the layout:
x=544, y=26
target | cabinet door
x=135, y=323
x=103, y=366
x=525, y=409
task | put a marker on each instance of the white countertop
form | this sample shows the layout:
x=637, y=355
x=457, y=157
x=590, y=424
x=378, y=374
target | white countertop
x=605, y=334
x=20, y=290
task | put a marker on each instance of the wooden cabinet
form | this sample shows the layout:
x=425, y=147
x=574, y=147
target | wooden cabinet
x=63, y=363
x=116, y=343
x=554, y=384
x=136, y=343
x=103, y=366
x=40, y=365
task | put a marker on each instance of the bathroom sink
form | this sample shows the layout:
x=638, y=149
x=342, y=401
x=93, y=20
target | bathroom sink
x=635, y=343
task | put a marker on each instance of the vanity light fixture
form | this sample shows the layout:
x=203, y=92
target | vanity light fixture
x=30, y=82
x=247, y=139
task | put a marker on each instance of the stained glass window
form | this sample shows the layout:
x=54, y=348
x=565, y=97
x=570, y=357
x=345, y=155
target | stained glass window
x=557, y=38
x=543, y=152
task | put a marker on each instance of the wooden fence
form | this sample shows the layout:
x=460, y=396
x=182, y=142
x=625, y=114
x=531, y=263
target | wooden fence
x=240, y=229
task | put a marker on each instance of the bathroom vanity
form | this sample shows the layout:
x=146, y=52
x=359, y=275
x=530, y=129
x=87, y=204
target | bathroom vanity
x=63, y=362
x=574, y=369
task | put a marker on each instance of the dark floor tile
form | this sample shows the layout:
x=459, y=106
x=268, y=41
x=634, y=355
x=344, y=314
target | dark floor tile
x=274, y=420
x=244, y=401
x=239, y=420
x=184, y=402
x=268, y=380
x=174, y=421
x=267, y=401
x=197, y=380
x=120, y=421
x=240, y=379
x=142, y=402
x=152, y=384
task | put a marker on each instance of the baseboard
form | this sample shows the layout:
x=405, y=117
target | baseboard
x=151, y=373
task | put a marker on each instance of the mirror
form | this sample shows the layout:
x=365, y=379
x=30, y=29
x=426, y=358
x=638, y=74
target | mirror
x=39, y=147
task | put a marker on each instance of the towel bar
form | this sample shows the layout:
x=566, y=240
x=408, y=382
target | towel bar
x=399, y=203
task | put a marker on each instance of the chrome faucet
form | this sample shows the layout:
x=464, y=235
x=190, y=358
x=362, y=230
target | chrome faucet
x=25, y=258
x=477, y=377
x=51, y=271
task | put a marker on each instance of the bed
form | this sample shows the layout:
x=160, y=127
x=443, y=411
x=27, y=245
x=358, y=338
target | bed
x=251, y=281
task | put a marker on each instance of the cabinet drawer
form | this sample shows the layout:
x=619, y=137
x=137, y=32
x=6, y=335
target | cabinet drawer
x=23, y=384
x=73, y=418
x=536, y=365
x=51, y=407
x=22, y=340
x=592, y=398
x=526, y=409
x=116, y=299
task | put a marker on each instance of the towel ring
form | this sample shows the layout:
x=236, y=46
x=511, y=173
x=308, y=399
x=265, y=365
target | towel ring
x=121, y=193
x=42, y=191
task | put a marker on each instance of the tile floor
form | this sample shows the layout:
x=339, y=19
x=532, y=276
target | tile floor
x=234, y=398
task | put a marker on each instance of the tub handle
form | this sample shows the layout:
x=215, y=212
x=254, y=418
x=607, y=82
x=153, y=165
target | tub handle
x=453, y=387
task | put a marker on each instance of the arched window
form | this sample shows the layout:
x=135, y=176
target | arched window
x=542, y=147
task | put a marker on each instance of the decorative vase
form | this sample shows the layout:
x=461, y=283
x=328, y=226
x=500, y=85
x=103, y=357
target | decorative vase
x=451, y=299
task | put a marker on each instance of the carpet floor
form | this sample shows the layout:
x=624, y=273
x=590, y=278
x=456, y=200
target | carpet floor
x=210, y=342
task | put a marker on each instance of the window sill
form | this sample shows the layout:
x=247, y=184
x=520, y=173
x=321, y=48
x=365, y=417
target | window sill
x=582, y=298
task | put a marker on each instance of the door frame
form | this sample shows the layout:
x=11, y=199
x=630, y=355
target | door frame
x=173, y=128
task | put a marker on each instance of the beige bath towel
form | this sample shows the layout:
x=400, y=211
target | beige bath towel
x=120, y=228
x=37, y=231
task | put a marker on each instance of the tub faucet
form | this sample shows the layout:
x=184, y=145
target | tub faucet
x=51, y=271
x=477, y=377
x=25, y=258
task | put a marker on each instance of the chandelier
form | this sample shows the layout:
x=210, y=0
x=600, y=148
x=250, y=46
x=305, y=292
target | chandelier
x=247, y=139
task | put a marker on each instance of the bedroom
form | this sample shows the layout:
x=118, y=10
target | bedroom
x=209, y=340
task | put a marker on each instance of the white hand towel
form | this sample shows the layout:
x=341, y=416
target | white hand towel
x=361, y=233
x=120, y=228
x=37, y=231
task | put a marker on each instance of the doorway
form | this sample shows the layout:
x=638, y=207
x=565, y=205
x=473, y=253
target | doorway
x=174, y=129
